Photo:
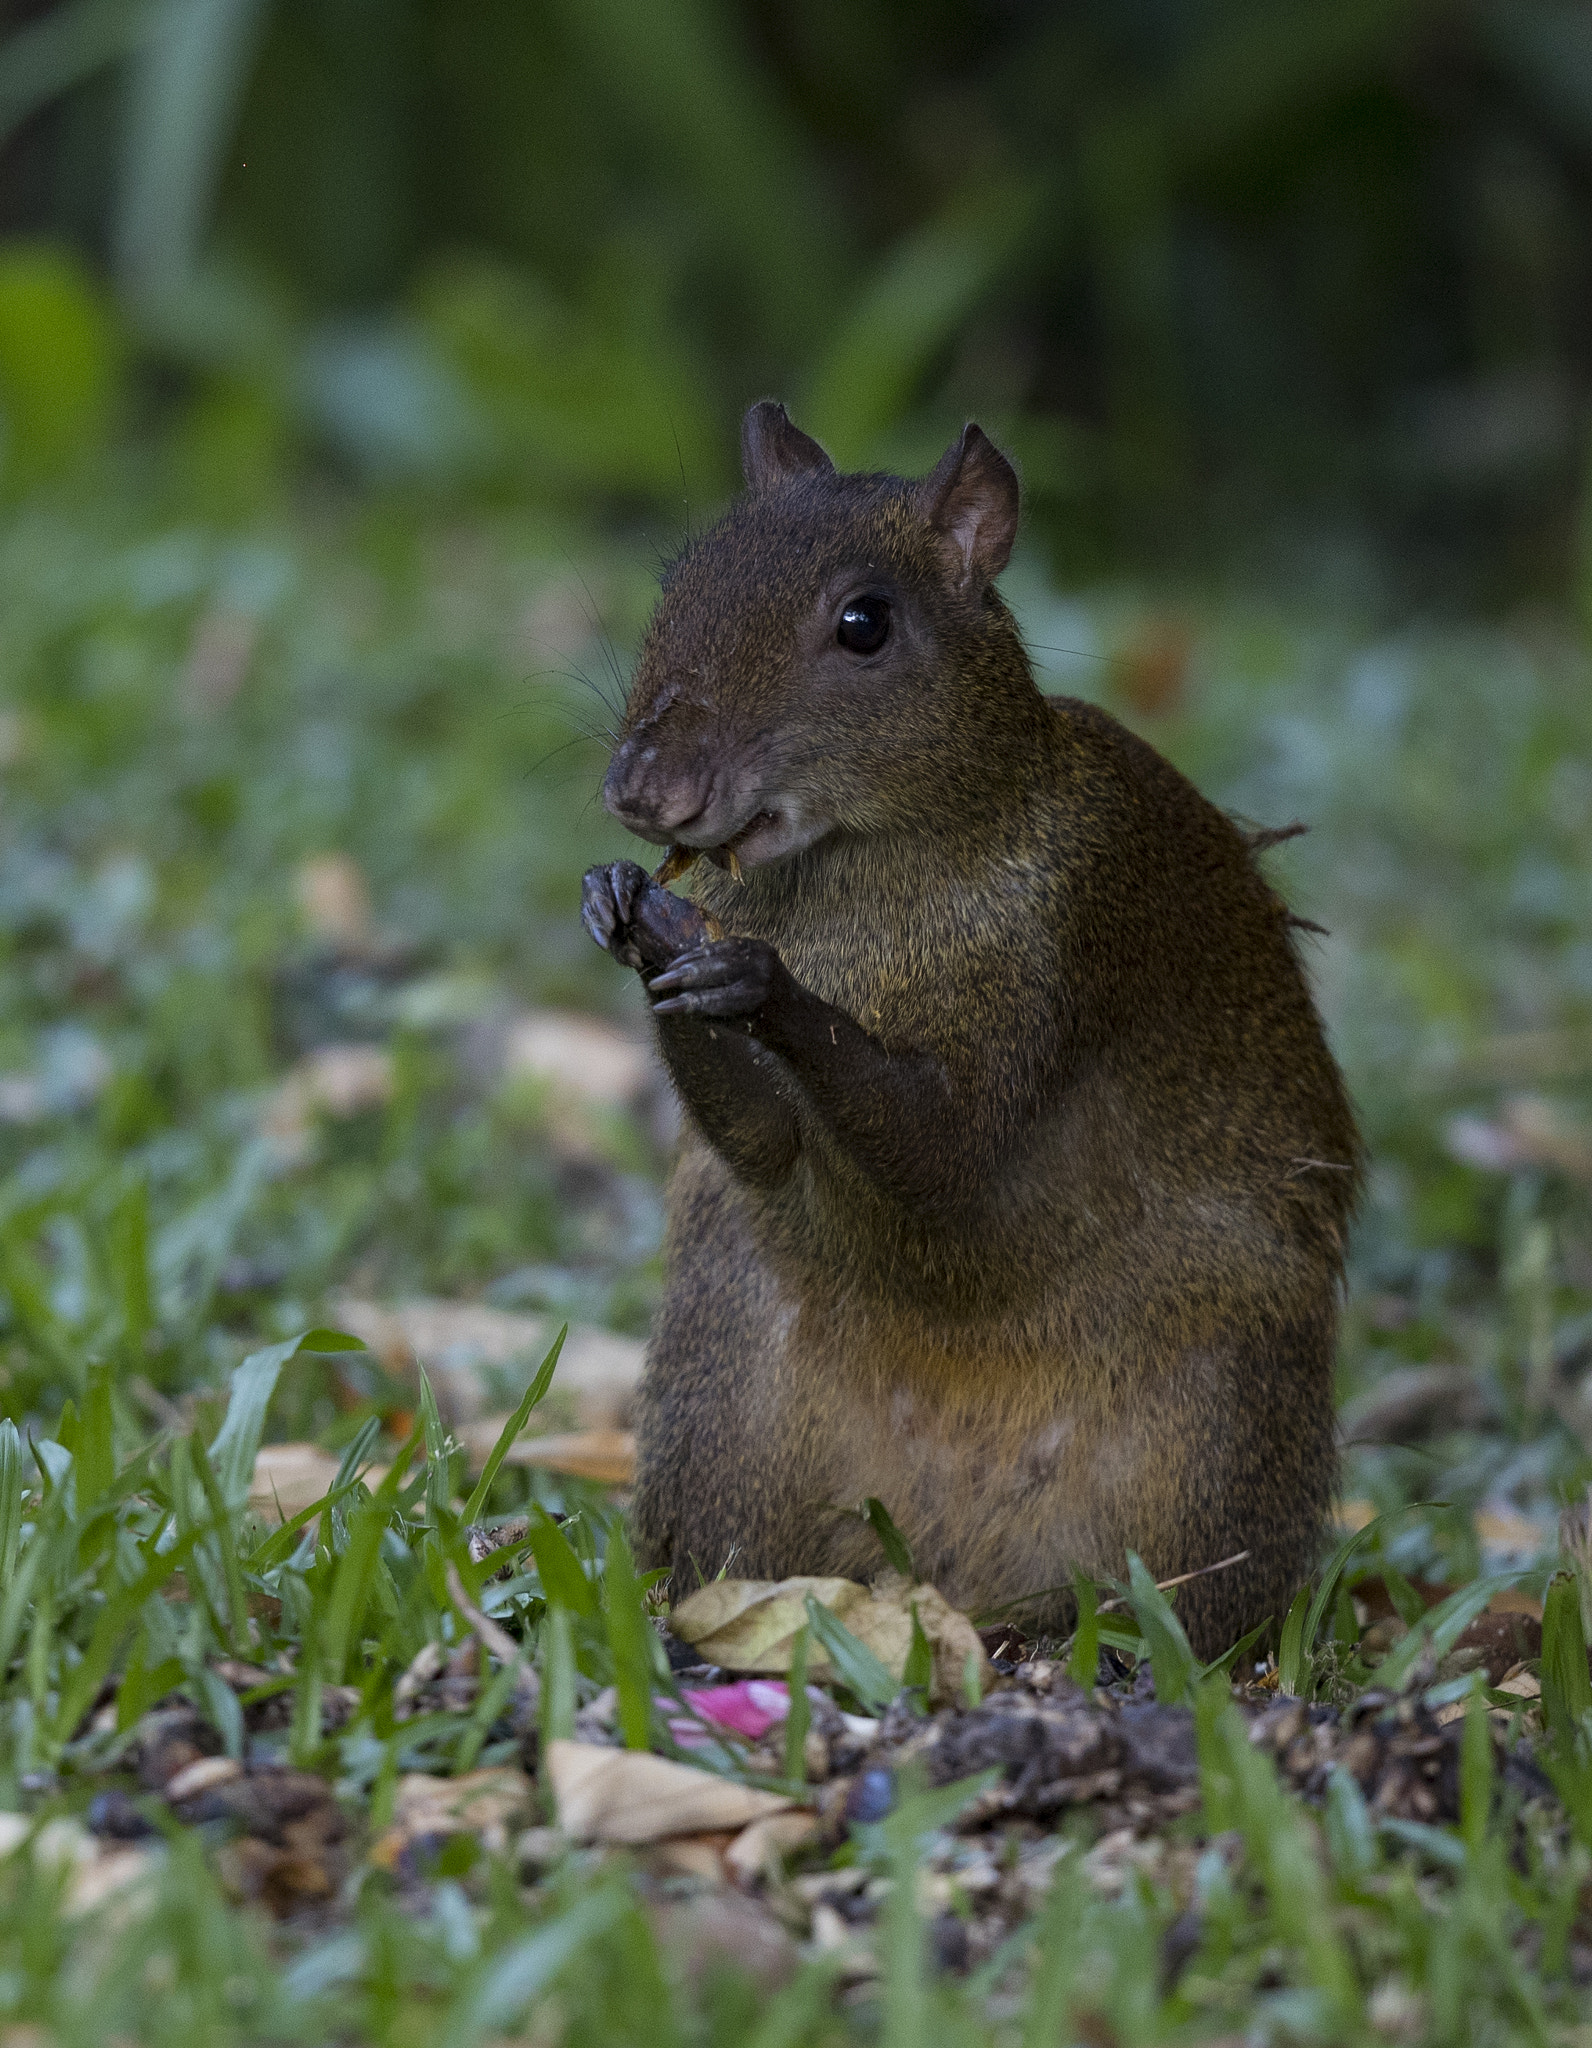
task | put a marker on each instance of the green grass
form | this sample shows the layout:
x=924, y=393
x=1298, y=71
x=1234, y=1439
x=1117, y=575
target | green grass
x=188, y=714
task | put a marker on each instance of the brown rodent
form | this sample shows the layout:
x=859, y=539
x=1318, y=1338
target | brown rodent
x=1016, y=1171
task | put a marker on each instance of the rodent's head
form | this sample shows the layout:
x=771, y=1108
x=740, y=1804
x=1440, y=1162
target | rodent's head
x=831, y=656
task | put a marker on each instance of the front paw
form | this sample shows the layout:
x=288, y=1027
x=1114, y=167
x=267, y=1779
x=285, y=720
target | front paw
x=608, y=898
x=643, y=925
x=724, y=978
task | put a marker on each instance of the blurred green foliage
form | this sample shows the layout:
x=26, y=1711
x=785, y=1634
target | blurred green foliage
x=1231, y=276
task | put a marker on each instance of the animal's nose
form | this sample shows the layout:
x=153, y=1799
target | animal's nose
x=655, y=798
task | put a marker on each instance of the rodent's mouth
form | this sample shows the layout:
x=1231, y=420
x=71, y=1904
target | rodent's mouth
x=756, y=826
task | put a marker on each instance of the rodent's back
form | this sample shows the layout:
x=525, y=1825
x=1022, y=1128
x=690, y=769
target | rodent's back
x=1190, y=996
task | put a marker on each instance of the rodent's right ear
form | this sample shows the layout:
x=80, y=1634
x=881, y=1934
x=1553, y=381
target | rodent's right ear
x=971, y=497
x=774, y=450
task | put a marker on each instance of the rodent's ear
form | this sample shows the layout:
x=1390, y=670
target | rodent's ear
x=971, y=497
x=774, y=450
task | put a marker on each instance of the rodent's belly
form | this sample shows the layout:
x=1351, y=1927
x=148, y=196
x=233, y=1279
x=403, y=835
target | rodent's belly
x=1002, y=1487
x=1008, y=1450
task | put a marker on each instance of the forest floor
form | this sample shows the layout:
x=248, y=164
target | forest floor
x=309, y=1079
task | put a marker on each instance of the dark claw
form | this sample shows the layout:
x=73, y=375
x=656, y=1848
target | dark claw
x=608, y=900
x=725, y=978
x=700, y=968
x=734, y=999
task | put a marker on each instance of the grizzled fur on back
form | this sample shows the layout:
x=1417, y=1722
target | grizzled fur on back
x=1014, y=1191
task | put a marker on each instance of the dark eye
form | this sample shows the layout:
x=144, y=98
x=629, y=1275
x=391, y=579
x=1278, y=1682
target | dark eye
x=864, y=625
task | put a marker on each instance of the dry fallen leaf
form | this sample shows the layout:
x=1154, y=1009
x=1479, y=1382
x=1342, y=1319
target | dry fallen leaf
x=460, y=1342
x=628, y=1795
x=1501, y=1528
x=605, y=1455
x=289, y=1478
x=751, y=1625
x=760, y=1849
x=480, y=1803
x=94, y=1870
x=334, y=900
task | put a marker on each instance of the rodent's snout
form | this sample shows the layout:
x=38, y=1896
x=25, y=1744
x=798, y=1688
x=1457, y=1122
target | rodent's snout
x=655, y=798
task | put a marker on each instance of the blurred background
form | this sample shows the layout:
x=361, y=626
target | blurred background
x=360, y=360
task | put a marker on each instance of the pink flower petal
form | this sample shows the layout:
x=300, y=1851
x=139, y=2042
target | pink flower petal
x=750, y=1708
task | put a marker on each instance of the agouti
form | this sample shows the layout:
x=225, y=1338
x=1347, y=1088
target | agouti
x=1016, y=1171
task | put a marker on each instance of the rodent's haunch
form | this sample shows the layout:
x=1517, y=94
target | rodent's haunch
x=1016, y=1171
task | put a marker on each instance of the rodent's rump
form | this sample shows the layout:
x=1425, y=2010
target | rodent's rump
x=1016, y=1171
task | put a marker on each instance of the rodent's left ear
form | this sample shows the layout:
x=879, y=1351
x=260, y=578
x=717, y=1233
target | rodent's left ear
x=971, y=496
x=774, y=450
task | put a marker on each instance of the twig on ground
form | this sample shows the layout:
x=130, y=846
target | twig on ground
x=1182, y=1579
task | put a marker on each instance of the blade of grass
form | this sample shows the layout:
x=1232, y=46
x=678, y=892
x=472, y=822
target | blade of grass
x=918, y=1672
x=557, y=1566
x=522, y=1973
x=351, y=1582
x=1566, y=1690
x=96, y=1440
x=357, y=1455
x=237, y=1441
x=1172, y=1662
x=1292, y=1665
x=439, y=1484
x=799, y=1717
x=10, y=1498
x=558, y=1675
x=1083, y=1661
x=630, y=1637
x=1439, y=1630
x=534, y=1394
x=853, y=1663
x=226, y=1546
x=1476, y=1772
x=116, y=1620
x=898, y=1553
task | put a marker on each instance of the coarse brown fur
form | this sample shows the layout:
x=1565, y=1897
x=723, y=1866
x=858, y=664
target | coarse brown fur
x=1016, y=1170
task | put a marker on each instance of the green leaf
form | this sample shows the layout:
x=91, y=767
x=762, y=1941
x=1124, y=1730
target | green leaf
x=1444, y=1625
x=10, y=1498
x=226, y=1546
x=557, y=1566
x=558, y=1675
x=116, y=1620
x=855, y=1665
x=534, y=1394
x=1292, y=1665
x=1172, y=1662
x=439, y=1482
x=1566, y=1689
x=631, y=1639
x=341, y=1627
x=918, y=1675
x=1083, y=1661
x=891, y=1541
x=1476, y=1772
x=237, y=1441
x=799, y=1719
x=96, y=1441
